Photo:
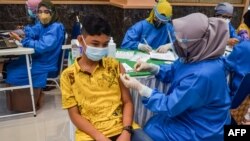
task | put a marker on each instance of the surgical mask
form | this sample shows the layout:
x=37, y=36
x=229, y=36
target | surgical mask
x=158, y=24
x=95, y=53
x=31, y=14
x=45, y=18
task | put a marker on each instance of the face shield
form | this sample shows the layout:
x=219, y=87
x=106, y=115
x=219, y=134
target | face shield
x=160, y=19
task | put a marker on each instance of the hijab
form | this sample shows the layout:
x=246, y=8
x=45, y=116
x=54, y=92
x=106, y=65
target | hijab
x=49, y=5
x=199, y=37
x=162, y=8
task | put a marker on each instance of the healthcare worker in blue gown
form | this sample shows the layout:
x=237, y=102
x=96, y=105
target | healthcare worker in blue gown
x=46, y=38
x=153, y=33
x=225, y=11
x=197, y=105
x=238, y=66
x=237, y=63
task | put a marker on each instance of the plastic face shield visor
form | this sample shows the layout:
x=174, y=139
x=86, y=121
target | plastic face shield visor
x=160, y=17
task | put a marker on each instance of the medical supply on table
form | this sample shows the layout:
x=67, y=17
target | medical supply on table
x=76, y=49
x=124, y=54
x=111, y=48
x=169, y=56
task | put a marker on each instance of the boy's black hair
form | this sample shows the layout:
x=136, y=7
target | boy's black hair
x=95, y=25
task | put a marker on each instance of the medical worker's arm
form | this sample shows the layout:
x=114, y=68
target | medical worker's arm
x=166, y=73
x=163, y=72
x=189, y=93
x=69, y=102
x=234, y=38
x=32, y=31
x=171, y=38
x=231, y=61
x=164, y=48
x=127, y=115
x=132, y=37
x=47, y=42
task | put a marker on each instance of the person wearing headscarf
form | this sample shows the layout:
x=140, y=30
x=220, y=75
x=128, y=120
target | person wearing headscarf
x=196, y=105
x=31, y=6
x=46, y=38
x=225, y=11
x=244, y=28
x=155, y=32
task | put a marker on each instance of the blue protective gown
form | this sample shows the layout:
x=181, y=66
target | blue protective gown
x=238, y=63
x=232, y=31
x=47, y=43
x=196, y=106
x=145, y=30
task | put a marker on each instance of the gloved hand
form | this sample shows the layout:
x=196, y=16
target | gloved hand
x=232, y=41
x=15, y=36
x=144, y=47
x=143, y=66
x=164, y=48
x=132, y=83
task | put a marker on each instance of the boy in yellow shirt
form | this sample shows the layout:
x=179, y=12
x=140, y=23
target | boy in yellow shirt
x=98, y=103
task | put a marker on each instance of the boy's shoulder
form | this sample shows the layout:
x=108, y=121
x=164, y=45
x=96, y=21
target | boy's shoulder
x=110, y=62
x=69, y=70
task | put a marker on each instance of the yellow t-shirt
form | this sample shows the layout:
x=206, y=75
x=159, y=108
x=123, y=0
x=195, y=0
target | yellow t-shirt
x=97, y=96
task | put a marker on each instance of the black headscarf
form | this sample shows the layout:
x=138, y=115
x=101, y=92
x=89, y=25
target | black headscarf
x=48, y=4
x=247, y=18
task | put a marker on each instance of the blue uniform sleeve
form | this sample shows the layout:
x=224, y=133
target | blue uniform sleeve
x=132, y=37
x=184, y=96
x=233, y=33
x=32, y=31
x=45, y=43
x=165, y=73
x=231, y=59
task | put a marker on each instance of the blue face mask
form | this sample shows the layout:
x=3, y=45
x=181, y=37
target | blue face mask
x=31, y=14
x=95, y=53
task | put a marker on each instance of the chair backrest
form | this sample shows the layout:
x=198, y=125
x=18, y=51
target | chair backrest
x=55, y=74
x=242, y=92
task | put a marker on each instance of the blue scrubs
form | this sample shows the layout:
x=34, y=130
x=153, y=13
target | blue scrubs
x=145, y=30
x=232, y=31
x=238, y=63
x=47, y=43
x=196, y=106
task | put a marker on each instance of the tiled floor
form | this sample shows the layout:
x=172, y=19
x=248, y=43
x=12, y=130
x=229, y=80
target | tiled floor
x=50, y=124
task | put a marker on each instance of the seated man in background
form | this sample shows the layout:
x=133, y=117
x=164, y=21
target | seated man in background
x=46, y=38
x=225, y=10
x=155, y=32
x=98, y=104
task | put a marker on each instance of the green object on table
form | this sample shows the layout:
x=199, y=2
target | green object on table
x=132, y=63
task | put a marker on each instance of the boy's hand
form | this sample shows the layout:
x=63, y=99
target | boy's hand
x=102, y=138
x=125, y=136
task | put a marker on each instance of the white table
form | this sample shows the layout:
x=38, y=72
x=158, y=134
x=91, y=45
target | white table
x=26, y=52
